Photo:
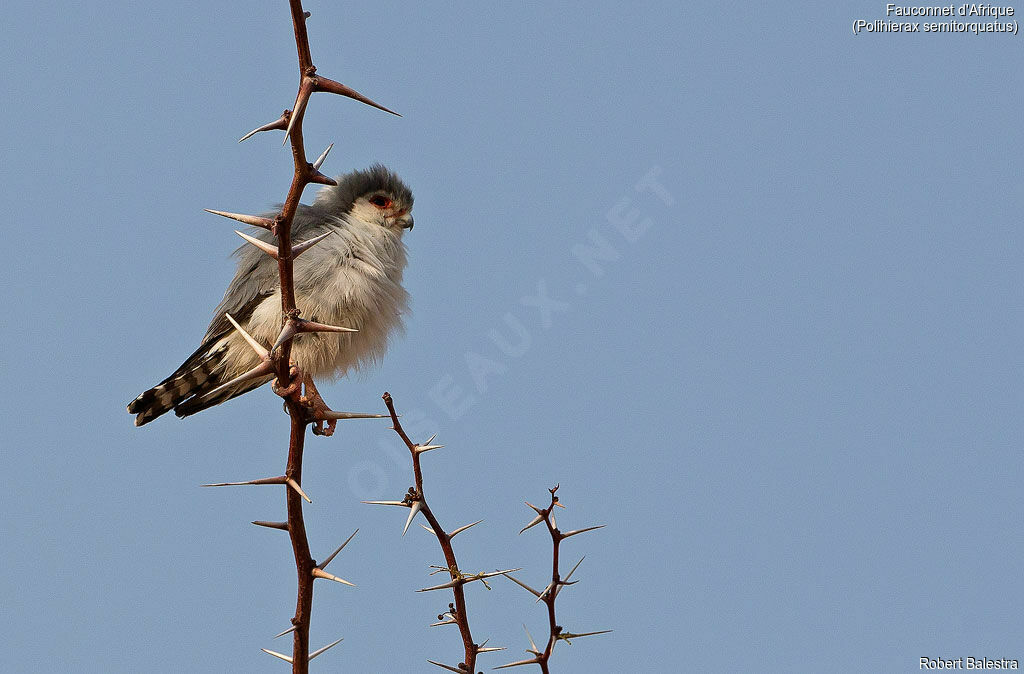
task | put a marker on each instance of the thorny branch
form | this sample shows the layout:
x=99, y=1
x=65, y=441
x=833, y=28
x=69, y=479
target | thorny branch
x=308, y=408
x=416, y=501
x=550, y=593
x=290, y=383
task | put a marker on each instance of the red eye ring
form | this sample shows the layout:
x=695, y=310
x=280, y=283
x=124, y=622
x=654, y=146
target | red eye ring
x=381, y=201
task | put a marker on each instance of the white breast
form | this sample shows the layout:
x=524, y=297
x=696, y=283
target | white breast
x=351, y=280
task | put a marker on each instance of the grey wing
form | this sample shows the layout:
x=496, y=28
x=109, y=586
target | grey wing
x=255, y=278
x=257, y=275
x=185, y=390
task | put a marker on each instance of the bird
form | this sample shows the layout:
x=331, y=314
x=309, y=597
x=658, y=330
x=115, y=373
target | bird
x=351, y=279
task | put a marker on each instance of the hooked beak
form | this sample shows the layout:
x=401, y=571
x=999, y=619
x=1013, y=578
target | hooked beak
x=407, y=223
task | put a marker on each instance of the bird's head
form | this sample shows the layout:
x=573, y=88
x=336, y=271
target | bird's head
x=375, y=196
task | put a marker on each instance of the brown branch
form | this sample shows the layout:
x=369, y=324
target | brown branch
x=416, y=500
x=304, y=563
x=554, y=628
x=302, y=410
x=282, y=228
x=550, y=593
x=301, y=39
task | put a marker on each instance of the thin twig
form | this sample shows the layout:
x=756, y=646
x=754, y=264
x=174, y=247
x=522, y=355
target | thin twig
x=416, y=497
x=550, y=593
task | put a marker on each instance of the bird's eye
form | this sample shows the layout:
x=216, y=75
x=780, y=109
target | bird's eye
x=380, y=201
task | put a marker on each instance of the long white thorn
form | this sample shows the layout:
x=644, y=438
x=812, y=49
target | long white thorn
x=353, y=415
x=298, y=490
x=268, y=248
x=533, y=646
x=491, y=649
x=531, y=661
x=463, y=528
x=278, y=123
x=539, y=511
x=444, y=586
x=568, y=636
x=523, y=585
x=320, y=573
x=565, y=581
x=287, y=332
x=254, y=220
x=256, y=346
x=321, y=650
x=534, y=522
x=301, y=99
x=415, y=508
x=263, y=480
x=263, y=369
x=323, y=564
x=286, y=658
x=287, y=631
x=313, y=326
x=444, y=666
x=249, y=135
x=300, y=248
x=569, y=575
x=489, y=574
x=323, y=155
x=580, y=531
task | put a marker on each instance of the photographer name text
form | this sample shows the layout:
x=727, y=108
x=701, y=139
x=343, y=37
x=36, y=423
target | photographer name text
x=967, y=663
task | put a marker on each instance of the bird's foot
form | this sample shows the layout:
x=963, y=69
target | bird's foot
x=318, y=408
x=296, y=375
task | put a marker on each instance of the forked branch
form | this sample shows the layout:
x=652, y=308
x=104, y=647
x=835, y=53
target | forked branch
x=416, y=501
x=551, y=591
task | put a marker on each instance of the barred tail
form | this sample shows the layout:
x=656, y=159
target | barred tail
x=203, y=400
x=198, y=375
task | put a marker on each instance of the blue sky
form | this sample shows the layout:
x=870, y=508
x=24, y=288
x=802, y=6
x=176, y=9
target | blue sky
x=745, y=284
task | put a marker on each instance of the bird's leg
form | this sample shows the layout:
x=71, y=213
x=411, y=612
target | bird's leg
x=318, y=407
x=296, y=377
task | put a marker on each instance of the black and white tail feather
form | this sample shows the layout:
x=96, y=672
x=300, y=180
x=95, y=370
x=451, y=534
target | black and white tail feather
x=351, y=280
x=186, y=390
